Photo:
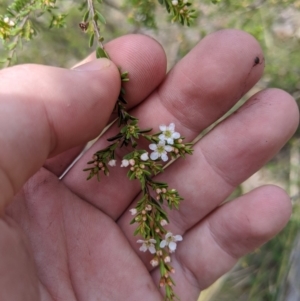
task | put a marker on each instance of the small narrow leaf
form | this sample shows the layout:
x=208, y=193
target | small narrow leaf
x=91, y=41
x=100, y=17
x=86, y=16
x=100, y=53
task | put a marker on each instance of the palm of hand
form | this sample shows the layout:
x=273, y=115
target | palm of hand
x=78, y=244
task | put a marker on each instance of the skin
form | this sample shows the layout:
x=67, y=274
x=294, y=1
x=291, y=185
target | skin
x=70, y=239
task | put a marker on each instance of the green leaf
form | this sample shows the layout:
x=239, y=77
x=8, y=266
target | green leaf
x=101, y=53
x=100, y=17
x=91, y=41
x=86, y=16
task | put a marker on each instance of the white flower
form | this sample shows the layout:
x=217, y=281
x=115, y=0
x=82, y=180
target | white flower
x=6, y=19
x=147, y=245
x=168, y=133
x=11, y=23
x=170, y=241
x=112, y=162
x=175, y=2
x=133, y=211
x=125, y=163
x=160, y=150
x=144, y=157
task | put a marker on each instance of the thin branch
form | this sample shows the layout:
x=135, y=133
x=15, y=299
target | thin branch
x=95, y=24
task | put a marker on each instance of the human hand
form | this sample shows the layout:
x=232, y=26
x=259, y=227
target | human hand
x=70, y=239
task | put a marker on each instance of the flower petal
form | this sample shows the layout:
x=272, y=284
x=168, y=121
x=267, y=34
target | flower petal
x=178, y=238
x=154, y=155
x=171, y=127
x=153, y=146
x=170, y=141
x=169, y=148
x=164, y=157
x=143, y=248
x=163, y=243
x=152, y=249
x=169, y=234
x=162, y=127
x=172, y=246
x=152, y=240
x=162, y=137
x=176, y=135
x=144, y=157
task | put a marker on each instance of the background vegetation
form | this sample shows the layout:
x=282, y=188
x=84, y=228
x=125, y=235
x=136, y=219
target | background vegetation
x=273, y=271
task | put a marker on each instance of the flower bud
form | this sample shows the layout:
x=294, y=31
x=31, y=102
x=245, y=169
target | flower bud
x=133, y=211
x=124, y=163
x=159, y=253
x=167, y=259
x=112, y=162
x=163, y=222
x=154, y=262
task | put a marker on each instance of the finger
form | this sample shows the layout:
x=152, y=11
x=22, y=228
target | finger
x=204, y=85
x=143, y=58
x=59, y=163
x=145, y=61
x=213, y=247
x=46, y=110
x=71, y=242
x=224, y=158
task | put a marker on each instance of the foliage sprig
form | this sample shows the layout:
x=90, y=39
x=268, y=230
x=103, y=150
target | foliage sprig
x=16, y=25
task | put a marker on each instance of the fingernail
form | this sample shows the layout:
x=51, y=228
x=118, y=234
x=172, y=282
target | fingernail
x=94, y=65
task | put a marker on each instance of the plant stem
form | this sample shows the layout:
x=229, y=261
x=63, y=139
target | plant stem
x=95, y=24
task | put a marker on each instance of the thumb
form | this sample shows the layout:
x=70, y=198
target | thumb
x=46, y=110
